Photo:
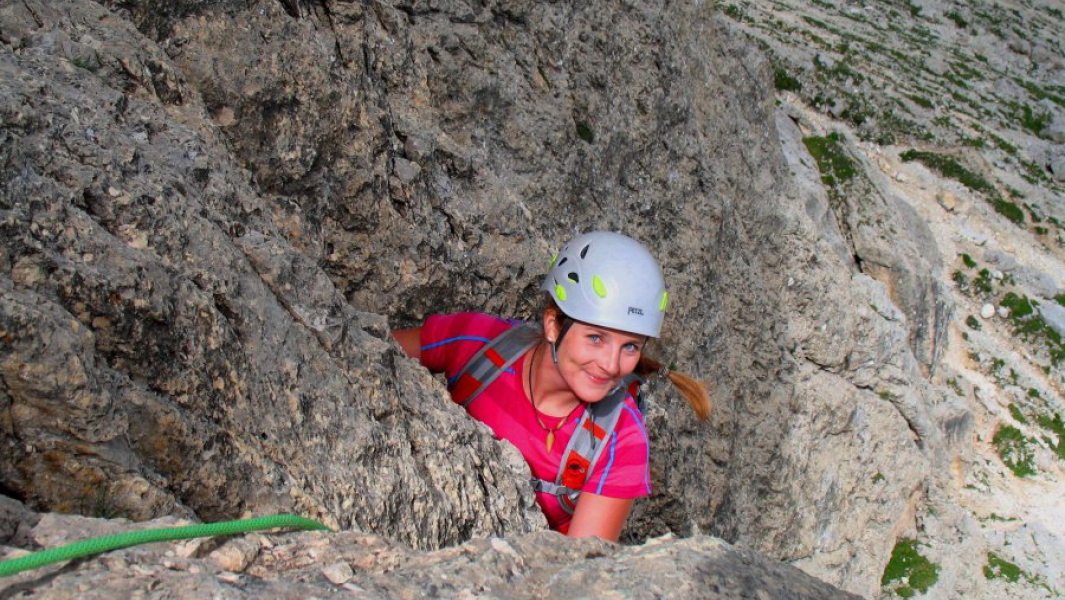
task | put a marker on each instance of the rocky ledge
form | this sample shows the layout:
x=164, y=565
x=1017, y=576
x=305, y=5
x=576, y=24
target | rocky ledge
x=322, y=565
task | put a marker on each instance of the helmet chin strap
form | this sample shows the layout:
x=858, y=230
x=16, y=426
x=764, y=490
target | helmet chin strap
x=566, y=324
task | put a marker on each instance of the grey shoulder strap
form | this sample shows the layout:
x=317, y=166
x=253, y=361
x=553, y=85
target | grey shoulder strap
x=491, y=360
x=585, y=445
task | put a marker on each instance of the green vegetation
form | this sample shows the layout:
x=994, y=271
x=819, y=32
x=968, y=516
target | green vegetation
x=1000, y=568
x=1034, y=121
x=972, y=323
x=920, y=101
x=1003, y=145
x=997, y=364
x=1009, y=210
x=1017, y=414
x=982, y=283
x=878, y=477
x=585, y=132
x=733, y=11
x=1015, y=450
x=958, y=20
x=907, y=564
x=948, y=167
x=995, y=517
x=838, y=71
x=784, y=82
x=84, y=63
x=1055, y=426
x=1020, y=306
x=1060, y=299
x=961, y=280
x=953, y=383
x=1041, y=94
x=836, y=167
x=1030, y=326
x=968, y=260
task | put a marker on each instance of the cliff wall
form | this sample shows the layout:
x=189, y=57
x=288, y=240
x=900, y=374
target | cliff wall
x=213, y=212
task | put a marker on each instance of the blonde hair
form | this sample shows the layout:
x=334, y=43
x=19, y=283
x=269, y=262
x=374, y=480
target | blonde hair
x=693, y=390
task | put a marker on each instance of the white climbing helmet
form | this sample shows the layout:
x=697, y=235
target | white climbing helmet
x=611, y=280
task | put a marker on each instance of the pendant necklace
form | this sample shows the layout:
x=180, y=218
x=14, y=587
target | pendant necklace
x=536, y=412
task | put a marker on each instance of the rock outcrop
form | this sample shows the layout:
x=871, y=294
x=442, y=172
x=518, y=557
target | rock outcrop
x=214, y=212
x=319, y=565
x=167, y=351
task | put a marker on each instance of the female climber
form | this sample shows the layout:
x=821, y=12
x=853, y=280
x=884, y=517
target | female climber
x=564, y=393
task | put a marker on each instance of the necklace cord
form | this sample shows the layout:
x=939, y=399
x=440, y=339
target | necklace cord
x=550, y=440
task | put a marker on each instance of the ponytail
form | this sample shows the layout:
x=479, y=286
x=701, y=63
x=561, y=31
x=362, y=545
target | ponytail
x=692, y=390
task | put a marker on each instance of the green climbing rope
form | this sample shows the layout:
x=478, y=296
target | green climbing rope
x=133, y=538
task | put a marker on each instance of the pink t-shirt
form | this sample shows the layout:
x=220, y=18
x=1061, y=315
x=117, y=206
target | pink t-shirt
x=448, y=342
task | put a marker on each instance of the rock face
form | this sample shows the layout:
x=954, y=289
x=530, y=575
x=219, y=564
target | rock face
x=213, y=213
x=167, y=351
x=538, y=565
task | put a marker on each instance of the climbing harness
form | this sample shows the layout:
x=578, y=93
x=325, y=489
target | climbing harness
x=99, y=545
x=595, y=425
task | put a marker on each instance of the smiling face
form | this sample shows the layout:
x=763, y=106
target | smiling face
x=592, y=359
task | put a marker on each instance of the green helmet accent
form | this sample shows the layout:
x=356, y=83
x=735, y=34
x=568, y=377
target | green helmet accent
x=611, y=280
x=598, y=286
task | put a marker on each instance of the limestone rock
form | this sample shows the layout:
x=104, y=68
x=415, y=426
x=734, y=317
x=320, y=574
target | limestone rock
x=211, y=218
x=1054, y=315
x=167, y=350
x=319, y=565
x=946, y=200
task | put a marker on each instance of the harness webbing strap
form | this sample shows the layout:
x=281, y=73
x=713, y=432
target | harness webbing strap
x=491, y=360
x=595, y=426
x=585, y=446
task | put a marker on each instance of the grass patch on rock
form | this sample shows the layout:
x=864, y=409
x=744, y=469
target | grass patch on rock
x=947, y=166
x=1055, y=426
x=1020, y=306
x=832, y=161
x=1009, y=210
x=1015, y=450
x=908, y=571
x=1000, y=568
x=782, y=81
x=982, y=284
x=1030, y=326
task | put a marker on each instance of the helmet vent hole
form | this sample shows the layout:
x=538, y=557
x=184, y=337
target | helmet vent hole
x=584, y=250
x=562, y=262
x=573, y=277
